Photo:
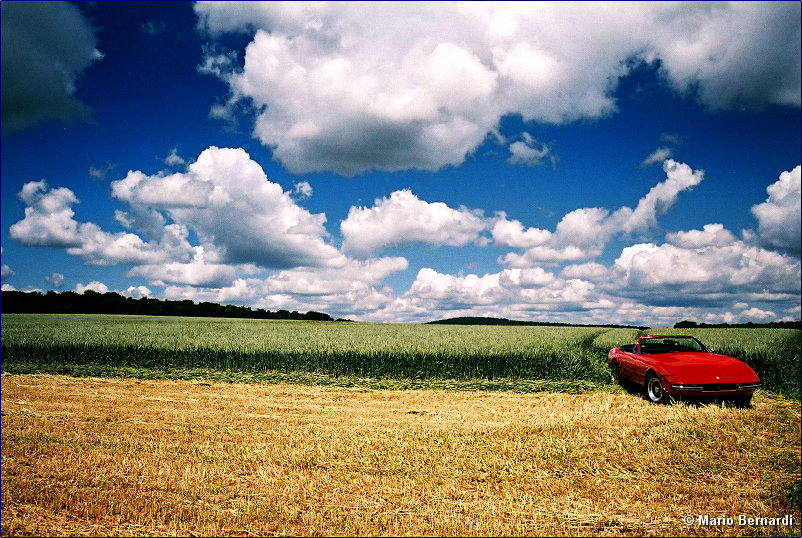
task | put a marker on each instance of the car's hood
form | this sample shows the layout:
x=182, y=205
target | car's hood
x=704, y=368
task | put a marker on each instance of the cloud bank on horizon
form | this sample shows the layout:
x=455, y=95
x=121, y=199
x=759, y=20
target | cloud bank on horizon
x=356, y=89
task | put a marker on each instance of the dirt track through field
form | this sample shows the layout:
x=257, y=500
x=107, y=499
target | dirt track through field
x=97, y=456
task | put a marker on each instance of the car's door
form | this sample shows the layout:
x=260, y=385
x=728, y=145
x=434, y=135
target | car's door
x=640, y=363
x=625, y=359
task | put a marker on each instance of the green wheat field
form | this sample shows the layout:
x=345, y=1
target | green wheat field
x=490, y=357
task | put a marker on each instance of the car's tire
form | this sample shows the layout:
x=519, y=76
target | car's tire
x=615, y=373
x=653, y=388
x=743, y=402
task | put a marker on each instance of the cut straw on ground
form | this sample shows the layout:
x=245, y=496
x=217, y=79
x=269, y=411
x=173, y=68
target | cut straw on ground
x=89, y=456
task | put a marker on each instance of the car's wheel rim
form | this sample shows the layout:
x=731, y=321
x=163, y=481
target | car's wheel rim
x=655, y=389
x=614, y=373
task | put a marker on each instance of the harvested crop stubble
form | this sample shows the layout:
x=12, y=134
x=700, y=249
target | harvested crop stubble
x=112, y=456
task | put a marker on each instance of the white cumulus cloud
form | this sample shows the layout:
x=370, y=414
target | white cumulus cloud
x=530, y=152
x=673, y=274
x=49, y=222
x=583, y=234
x=511, y=233
x=55, y=279
x=679, y=177
x=197, y=272
x=532, y=293
x=173, y=158
x=228, y=201
x=352, y=87
x=99, y=287
x=137, y=292
x=657, y=156
x=403, y=219
x=353, y=289
x=6, y=273
x=303, y=189
x=779, y=216
x=48, y=217
x=710, y=235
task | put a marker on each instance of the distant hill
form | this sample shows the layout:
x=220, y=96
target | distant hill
x=504, y=321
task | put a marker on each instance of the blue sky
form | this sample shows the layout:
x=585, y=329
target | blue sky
x=592, y=163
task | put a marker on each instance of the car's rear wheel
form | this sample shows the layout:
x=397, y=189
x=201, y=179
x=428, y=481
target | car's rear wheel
x=654, y=389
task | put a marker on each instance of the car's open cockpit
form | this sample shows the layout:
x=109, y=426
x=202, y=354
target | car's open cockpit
x=670, y=344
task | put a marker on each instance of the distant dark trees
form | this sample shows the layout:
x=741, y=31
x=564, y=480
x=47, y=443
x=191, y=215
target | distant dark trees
x=92, y=302
x=685, y=324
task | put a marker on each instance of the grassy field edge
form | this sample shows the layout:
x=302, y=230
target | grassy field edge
x=306, y=378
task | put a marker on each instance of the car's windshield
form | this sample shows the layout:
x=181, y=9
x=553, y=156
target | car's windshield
x=670, y=344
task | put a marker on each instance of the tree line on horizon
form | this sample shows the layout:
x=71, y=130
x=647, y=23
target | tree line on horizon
x=92, y=302
x=686, y=324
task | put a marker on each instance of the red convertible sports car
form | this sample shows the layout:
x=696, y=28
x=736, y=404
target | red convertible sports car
x=673, y=366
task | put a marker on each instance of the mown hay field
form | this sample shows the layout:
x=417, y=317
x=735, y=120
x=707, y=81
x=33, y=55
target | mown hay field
x=104, y=456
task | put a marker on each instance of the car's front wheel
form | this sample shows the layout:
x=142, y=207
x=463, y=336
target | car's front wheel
x=615, y=373
x=744, y=401
x=654, y=389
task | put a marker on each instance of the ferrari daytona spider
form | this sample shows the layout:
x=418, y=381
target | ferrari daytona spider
x=675, y=366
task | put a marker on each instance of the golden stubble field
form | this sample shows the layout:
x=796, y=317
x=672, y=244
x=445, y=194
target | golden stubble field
x=91, y=456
